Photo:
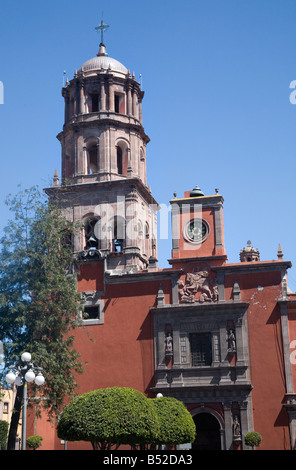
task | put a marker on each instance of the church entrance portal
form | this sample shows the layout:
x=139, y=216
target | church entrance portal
x=207, y=432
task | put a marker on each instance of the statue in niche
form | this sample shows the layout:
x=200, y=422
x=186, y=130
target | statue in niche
x=231, y=340
x=198, y=281
x=169, y=344
x=236, y=430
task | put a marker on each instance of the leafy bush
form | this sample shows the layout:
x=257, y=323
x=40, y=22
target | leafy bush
x=33, y=442
x=253, y=439
x=3, y=434
x=176, y=423
x=110, y=416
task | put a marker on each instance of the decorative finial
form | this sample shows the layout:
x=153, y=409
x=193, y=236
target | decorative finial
x=280, y=254
x=101, y=28
x=196, y=192
x=56, y=178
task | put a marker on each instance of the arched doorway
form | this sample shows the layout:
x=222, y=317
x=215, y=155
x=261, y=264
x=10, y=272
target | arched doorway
x=208, y=436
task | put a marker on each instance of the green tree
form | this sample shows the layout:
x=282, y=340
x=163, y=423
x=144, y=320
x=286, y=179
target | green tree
x=34, y=442
x=3, y=434
x=176, y=423
x=253, y=439
x=110, y=417
x=39, y=303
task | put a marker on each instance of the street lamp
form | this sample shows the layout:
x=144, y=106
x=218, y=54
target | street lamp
x=21, y=373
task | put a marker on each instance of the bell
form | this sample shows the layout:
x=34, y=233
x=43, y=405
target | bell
x=92, y=241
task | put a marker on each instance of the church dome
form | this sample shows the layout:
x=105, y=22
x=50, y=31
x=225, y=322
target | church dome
x=103, y=61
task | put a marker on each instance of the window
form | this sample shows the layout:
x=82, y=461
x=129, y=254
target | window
x=93, y=308
x=119, y=161
x=91, y=313
x=118, y=234
x=94, y=102
x=5, y=407
x=92, y=231
x=201, y=349
x=116, y=103
x=119, y=103
x=92, y=159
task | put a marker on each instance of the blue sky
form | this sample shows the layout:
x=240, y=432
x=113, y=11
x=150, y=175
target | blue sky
x=216, y=76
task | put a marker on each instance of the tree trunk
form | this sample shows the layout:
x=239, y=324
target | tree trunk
x=15, y=418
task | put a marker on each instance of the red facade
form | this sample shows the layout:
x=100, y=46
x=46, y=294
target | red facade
x=213, y=334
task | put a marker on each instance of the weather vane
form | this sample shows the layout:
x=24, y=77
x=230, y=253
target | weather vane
x=102, y=28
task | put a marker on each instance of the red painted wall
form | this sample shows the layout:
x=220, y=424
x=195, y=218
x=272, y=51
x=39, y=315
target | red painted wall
x=263, y=290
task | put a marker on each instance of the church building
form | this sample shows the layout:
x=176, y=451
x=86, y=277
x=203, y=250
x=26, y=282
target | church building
x=219, y=336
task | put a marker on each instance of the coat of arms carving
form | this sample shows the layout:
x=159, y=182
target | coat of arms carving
x=198, y=281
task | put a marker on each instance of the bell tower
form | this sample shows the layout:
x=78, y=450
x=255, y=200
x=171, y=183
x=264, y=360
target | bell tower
x=103, y=181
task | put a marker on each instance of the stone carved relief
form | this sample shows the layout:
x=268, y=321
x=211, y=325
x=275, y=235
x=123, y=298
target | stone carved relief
x=89, y=296
x=198, y=281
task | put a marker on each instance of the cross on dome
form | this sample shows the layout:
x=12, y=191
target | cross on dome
x=102, y=27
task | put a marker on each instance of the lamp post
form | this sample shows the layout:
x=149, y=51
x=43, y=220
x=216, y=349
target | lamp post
x=21, y=373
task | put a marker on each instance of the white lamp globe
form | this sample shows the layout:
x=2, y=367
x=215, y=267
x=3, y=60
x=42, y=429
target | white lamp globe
x=10, y=377
x=18, y=380
x=159, y=395
x=30, y=376
x=26, y=357
x=39, y=380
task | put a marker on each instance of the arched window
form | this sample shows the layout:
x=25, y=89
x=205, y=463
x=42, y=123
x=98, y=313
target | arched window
x=118, y=234
x=92, y=159
x=67, y=236
x=122, y=157
x=119, y=160
x=146, y=239
x=92, y=233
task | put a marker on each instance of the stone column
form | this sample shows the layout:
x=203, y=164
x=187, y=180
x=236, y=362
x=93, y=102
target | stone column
x=246, y=420
x=111, y=95
x=103, y=95
x=228, y=426
x=219, y=245
x=135, y=104
x=286, y=347
x=129, y=99
x=140, y=112
x=81, y=107
x=67, y=105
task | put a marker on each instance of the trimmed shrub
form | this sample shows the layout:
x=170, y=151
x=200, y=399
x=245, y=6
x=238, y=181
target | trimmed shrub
x=253, y=439
x=176, y=423
x=33, y=442
x=109, y=416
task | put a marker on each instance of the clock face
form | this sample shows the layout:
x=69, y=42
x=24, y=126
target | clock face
x=196, y=231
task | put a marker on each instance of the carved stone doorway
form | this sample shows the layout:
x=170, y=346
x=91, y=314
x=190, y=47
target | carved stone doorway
x=208, y=435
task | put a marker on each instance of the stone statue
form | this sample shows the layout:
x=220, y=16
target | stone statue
x=231, y=341
x=236, y=430
x=169, y=344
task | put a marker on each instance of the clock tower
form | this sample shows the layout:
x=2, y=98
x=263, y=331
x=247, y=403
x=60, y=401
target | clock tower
x=197, y=228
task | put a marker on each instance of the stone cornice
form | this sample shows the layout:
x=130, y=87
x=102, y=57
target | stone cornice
x=109, y=118
x=74, y=188
x=201, y=307
x=256, y=266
